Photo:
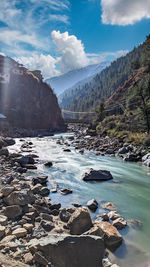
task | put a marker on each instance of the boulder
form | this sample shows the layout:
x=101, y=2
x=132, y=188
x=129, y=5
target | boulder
x=13, y=211
x=92, y=204
x=113, y=215
x=110, y=234
x=47, y=226
x=65, y=191
x=21, y=198
x=3, y=220
x=48, y=164
x=6, y=190
x=80, y=221
x=25, y=160
x=9, y=141
x=120, y=223
x=123, y=150
x=108, y=206
x=44, y=191
x=28, y=258
x=28, y=227
x=146, y=157
x=20, y=232
x=97, y=175
x=64, y=215
x=46, y=217
x=4, y=152
x=39, y=180
x=66, y=250
x=2, y=231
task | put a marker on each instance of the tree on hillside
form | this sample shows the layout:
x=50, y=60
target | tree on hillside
x=143, y=94
x=135, y=64
x=146, y=53
x=100, y=112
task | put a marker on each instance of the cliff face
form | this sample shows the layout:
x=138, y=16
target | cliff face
x=25, y=99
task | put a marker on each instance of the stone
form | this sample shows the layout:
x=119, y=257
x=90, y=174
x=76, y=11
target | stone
x=21, y=198
x=67, y=150
x=54, y=212
x=20, y=232
x=48, y=164
x=13, y=211
x=9, y=141
x=80, y=221
x=123, y=150
x=56, y=206
x=4, y=152
x=36, y=189
x=48, y=226
x=105, y=217
x=7, y=261
x=92, y=204
x=110, y=234
x=39, y=180
x=113, y=215
x=44, y=191
x=108, y=206
x=46, y=217
x=97, y=175
x=120, y=223
x=3, y=220
x=65, y=191
x=64, y=215
x=25, y=160
x=41, y=209
x=66, y=250
x=6, y=190
x=28, y=258
x=28, y=227
x=2, y=231
x=40, y=259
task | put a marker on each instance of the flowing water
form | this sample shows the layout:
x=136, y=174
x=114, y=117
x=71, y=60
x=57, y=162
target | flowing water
x=129, y=191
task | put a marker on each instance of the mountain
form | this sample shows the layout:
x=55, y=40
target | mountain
x=102, y=85
x=26, y=100
x=69, y=79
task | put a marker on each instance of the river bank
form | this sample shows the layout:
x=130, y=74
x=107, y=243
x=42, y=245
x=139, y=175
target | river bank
x=22, y=182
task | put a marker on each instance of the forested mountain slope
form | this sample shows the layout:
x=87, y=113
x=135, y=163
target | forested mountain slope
x=103, y=85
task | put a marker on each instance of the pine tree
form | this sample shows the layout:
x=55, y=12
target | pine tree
x=146, y=53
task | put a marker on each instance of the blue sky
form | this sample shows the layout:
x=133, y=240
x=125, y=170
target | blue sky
x=57, y=36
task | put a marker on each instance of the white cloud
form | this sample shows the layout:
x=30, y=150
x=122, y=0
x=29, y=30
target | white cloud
x=72, y=51
x=59, y=18
x=124, y=12
x=71, y=56
x=45, y=63
x=25, y=22
x=13, y=36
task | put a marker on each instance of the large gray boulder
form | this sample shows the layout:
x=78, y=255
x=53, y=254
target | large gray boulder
x=97, y=175
x=80, y=221
x=70, y=251
x=13, y=211
x=20, y=198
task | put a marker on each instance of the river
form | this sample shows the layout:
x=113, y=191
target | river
x=129, y=191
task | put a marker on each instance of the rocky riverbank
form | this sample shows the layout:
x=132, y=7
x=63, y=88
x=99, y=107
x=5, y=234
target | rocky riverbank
x=36, y=232
x=84, y=140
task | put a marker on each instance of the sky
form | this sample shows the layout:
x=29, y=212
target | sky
x=57, y=36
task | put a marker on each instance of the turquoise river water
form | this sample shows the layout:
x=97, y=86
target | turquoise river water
x=129, y=191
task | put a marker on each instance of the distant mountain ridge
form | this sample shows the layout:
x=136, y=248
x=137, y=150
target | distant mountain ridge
x=61, y=83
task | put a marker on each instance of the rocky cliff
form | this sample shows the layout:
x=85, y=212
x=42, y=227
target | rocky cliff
x=26, y=100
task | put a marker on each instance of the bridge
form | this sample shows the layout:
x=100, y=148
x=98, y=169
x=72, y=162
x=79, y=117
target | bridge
x=74, y=116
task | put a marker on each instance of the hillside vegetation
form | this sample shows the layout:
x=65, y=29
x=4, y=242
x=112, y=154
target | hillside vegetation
x=103, y=85
x=127, y=111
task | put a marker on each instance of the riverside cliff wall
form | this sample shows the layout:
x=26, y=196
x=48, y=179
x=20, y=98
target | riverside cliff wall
x=26, y=100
